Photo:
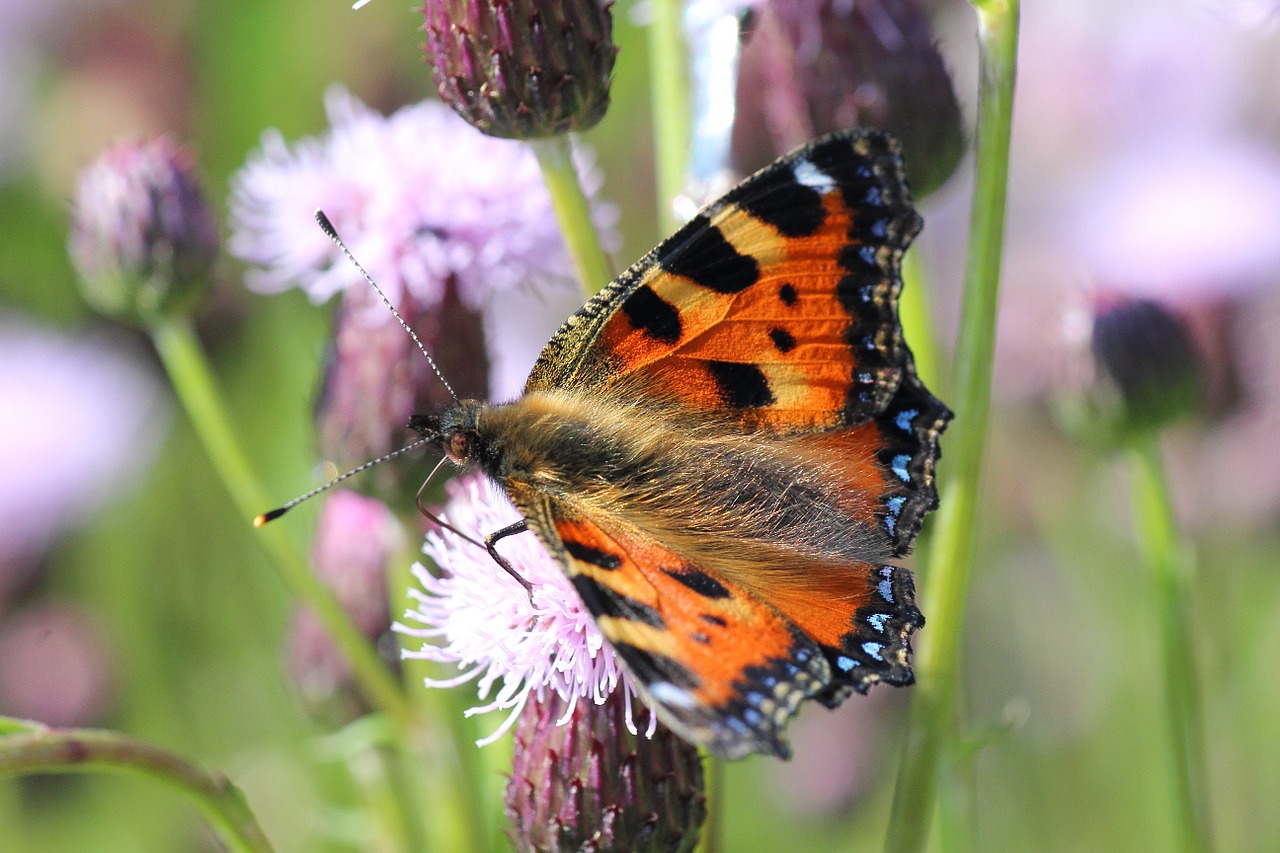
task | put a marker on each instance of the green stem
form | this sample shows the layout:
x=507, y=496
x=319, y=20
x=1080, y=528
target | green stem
x=75, y=750
x=1169, y=560
x=669, y=87
x=952, y=551
x=193, y=380
x=573, y=212
x=913, y=309
x=712, y=836
x=451, y=799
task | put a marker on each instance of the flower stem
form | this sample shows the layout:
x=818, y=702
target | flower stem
x=917, y=327
x=42, y=750
x=573, y=212
x=1168, y=557
x=669, y=86
x=450, y=776
x=952, y=552
x=193, y=380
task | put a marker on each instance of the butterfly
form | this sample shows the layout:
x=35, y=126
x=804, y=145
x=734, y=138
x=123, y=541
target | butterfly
x=726, y=444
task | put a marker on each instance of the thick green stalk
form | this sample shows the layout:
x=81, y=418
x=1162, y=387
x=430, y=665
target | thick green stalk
x=951, y=559
x=573, y=212
x=41, y=750
x=1168, y=558
x=672, y=121
x=193, y=380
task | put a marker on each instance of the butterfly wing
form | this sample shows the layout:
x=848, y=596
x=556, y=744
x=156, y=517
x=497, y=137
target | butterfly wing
x=721, y=665
x=777, y=305
x=772, y=314
x=778, y=301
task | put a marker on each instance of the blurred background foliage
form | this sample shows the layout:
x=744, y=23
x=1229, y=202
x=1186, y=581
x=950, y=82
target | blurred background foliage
x=1146, y=160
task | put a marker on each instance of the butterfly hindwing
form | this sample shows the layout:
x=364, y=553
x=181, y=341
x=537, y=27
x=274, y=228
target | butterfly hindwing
x=723, y=666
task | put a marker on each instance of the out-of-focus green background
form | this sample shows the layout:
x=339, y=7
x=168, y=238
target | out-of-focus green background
x=1062, y=675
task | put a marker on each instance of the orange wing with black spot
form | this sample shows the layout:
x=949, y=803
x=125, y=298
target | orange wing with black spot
x=779, y=301
x=724, y=666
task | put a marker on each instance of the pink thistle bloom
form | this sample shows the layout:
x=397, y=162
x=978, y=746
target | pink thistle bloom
x=419, y=196
x=480, y=619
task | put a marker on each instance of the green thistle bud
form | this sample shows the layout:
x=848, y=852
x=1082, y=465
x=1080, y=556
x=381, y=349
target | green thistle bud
x=519, y=68
x=1137, y=371
x=143, y=239
x=592, y=785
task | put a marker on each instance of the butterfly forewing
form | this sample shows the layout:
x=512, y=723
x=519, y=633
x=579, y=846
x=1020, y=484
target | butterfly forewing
x=778, y=302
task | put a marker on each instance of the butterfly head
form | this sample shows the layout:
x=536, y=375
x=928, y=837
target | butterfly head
x=456, y=431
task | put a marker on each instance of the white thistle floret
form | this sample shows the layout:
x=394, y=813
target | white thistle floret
x=479, y=618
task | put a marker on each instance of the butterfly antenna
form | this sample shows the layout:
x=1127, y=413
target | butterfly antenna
x=327, y=227
x=279, y=511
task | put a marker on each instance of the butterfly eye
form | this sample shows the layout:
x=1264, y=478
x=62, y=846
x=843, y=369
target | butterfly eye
x=458, y=448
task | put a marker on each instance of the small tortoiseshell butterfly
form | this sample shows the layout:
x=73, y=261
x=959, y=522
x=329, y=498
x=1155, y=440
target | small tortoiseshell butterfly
x=725, y=445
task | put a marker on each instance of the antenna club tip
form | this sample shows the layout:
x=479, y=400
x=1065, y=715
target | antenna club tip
x=268, y=516
x=325, y=225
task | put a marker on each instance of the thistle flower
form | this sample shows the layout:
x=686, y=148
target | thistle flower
x=591, y=785
x=420, y=198
x=813, y=66
x=519, y=68
x=1139, y=369
x=143, y=239
x=452, y=238
x=481, y=620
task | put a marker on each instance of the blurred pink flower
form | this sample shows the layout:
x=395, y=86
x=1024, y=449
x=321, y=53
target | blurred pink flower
x=1184, y=219
x=356, y=537
x=83, y=416
x=419, y=196
x=480, y=619
x=54, y=666
x=1246, y=14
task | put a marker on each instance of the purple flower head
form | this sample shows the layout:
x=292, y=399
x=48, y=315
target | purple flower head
x=480, y=619
x=83, y=415
x=419, y=196
x=522, y=69
x=1137, y=369
x=143, y=238
x=813, y=66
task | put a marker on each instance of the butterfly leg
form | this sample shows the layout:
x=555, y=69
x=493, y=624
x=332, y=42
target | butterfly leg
x=491, y=543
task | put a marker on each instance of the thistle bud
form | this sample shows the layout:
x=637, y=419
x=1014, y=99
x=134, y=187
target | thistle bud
x=1137, y=370
x=356, y=540
x=143, y=238
x=520, y=68
x=592, y=785
x=810, y=67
